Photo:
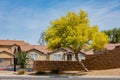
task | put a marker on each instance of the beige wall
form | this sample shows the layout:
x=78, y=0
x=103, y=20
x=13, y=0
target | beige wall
x=64, y=57
x=41, y=56
x=6, y=55
x=5, y=48
x=51, y=56
x=9, y=49
x=62, y=53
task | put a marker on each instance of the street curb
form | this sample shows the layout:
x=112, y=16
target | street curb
x=54, y=76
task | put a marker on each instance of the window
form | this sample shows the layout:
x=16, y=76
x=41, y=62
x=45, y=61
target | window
x=33, y=56
x=57, y=57
x=69, y=57
x=1, y=60
x=30, y=56
x=81, y=57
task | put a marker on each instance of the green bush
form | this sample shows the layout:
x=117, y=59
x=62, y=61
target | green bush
x=40, y=73
x=55, y=71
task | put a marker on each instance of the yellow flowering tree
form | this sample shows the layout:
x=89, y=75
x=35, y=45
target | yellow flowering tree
x=74, y=32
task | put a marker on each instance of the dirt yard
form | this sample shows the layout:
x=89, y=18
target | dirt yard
x=109, y=72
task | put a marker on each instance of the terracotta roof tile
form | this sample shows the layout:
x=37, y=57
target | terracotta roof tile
x=112, y=46
x=37, y=47
x=12, y=42
x=6, y=52
x=41, y=48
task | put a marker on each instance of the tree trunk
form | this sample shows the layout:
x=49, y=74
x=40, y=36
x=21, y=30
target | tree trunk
x=83, y=66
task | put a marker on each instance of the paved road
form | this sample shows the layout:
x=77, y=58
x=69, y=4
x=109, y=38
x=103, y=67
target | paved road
x=24, y=77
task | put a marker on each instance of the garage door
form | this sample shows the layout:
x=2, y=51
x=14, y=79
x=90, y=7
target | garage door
x=4, y=62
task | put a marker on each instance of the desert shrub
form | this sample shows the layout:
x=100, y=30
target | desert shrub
x=21, y=71
x=55, y=71
x=40, y=73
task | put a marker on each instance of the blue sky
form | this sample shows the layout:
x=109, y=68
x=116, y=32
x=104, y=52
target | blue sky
x=26, y=19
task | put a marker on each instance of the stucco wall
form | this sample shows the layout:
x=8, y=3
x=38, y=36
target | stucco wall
x=41, y=56
x=6, y=55
x=6, y=48
x=51, y=56
x=64, y=56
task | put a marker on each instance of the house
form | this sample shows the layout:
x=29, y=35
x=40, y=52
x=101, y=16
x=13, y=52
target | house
x=35, y=52
x=63, y=54
x=9, y=49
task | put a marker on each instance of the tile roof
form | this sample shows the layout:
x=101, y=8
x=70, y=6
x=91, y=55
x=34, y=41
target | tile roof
x=24, y=46
x=6, y=52
x=37, y=47
x=12, y=42
x=109, y=46
x=112, y=46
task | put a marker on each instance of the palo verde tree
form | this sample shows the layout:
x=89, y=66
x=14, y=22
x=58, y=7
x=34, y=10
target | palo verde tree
x=74, y=32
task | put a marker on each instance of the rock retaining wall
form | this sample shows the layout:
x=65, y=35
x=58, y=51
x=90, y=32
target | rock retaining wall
x=105, y=60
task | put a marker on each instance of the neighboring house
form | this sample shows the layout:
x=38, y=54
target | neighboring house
x=64, y=55
x=8, y=49
x=67, y=55
x=35, y=52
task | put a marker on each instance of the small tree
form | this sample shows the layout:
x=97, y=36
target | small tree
x=113, y=34
x=41, y=40
x=74, y=32
x=22, y=59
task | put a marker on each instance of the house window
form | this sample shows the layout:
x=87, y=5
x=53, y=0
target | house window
x=30, y=56
x=57, y=57
x=33, y=56
x=81, y=57
x=1, y=60
x=69, y=57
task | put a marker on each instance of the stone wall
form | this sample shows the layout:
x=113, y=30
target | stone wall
x=105, y=60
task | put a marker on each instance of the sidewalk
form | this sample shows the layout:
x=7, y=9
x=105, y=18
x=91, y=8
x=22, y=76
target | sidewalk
x=109, y=72
x=7, y=73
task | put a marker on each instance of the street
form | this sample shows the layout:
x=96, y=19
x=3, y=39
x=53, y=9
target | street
x=25, y=77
